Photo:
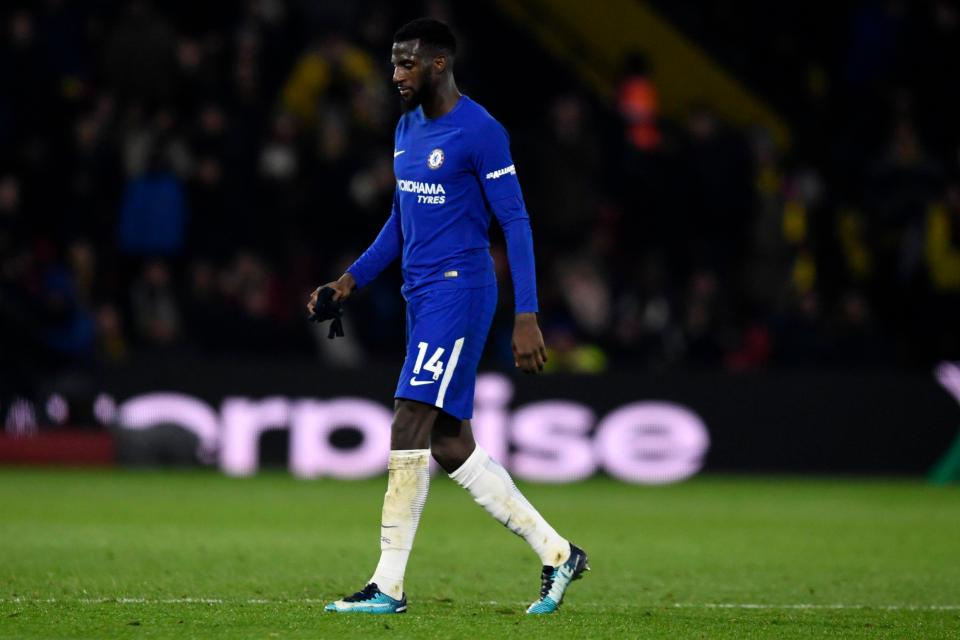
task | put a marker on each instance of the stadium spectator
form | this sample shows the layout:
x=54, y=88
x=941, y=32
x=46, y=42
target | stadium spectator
x=153, y=212
x=568, y=157
x=156, y=311
x=638, y=104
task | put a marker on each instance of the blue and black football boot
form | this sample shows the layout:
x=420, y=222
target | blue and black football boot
x=555, y=580
x=369, y=600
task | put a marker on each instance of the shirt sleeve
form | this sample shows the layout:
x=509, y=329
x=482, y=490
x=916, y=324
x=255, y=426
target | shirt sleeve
x=498, y=179
x=384, y=250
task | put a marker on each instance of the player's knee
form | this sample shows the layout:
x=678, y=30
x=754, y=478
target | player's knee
x=448, y=454
x=451, y=442
x=412, y=423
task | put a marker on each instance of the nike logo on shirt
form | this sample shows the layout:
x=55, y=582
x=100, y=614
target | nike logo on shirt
x=416, y=383
x=396, y=153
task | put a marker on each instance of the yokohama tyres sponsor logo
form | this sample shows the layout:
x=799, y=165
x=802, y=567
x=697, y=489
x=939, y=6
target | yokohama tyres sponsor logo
x=425, y=188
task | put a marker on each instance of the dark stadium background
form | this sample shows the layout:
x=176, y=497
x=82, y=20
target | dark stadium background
x=176, y=177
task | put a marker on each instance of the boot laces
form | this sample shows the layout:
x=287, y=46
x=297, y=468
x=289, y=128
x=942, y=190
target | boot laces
x=367, y=593
x=546, y=580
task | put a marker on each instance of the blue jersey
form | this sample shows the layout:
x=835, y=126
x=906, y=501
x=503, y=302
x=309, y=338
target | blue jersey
x=453, y=174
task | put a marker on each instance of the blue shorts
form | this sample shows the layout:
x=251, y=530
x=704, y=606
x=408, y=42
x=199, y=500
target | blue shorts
x=446, y=330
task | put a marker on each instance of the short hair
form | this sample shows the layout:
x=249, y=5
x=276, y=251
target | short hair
x=429, y=32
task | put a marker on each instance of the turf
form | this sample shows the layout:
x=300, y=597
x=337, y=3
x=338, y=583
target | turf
x=118, y=554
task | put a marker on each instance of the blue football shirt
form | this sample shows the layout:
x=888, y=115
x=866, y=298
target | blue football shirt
x=453, y=174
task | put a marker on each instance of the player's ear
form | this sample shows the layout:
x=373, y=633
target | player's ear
x=440, y=63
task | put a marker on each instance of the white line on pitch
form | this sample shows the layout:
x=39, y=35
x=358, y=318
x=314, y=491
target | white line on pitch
x=882, y=607
x=677, y=605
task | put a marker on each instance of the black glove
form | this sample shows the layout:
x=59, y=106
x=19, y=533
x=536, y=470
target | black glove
x=328, y=309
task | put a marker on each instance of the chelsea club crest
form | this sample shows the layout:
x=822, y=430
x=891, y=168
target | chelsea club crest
x=435, y=159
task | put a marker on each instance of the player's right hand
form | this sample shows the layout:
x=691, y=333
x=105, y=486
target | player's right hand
x=342, y=289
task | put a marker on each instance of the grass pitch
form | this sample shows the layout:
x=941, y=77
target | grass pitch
x=172, y=555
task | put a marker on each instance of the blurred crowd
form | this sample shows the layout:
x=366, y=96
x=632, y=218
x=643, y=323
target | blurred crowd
x=177, y=177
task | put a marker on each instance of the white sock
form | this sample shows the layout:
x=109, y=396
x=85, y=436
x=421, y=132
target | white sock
x=407, y=485
x=493, y=489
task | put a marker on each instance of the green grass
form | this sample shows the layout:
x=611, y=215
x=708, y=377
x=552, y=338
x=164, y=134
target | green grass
x=875, y=559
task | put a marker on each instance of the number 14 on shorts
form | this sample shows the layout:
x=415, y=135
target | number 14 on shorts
x=434, y=365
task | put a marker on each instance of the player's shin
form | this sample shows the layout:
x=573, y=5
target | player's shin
x=407, y=485
x=493, y=489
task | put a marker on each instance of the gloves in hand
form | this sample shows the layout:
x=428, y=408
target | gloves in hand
x=328, y=309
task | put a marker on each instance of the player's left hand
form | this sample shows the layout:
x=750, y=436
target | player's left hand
x=529, y=352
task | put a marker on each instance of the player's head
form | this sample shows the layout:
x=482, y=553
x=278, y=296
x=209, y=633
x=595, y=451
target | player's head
x=422, y=58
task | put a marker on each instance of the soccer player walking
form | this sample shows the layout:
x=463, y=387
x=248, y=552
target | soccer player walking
x=453, y=168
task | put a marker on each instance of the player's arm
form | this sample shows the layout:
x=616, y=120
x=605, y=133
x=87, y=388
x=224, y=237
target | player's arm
x=498, y=178
x=529, y=350
x=378, y=256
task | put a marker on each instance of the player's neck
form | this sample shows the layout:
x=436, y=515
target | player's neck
x=441, y=102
